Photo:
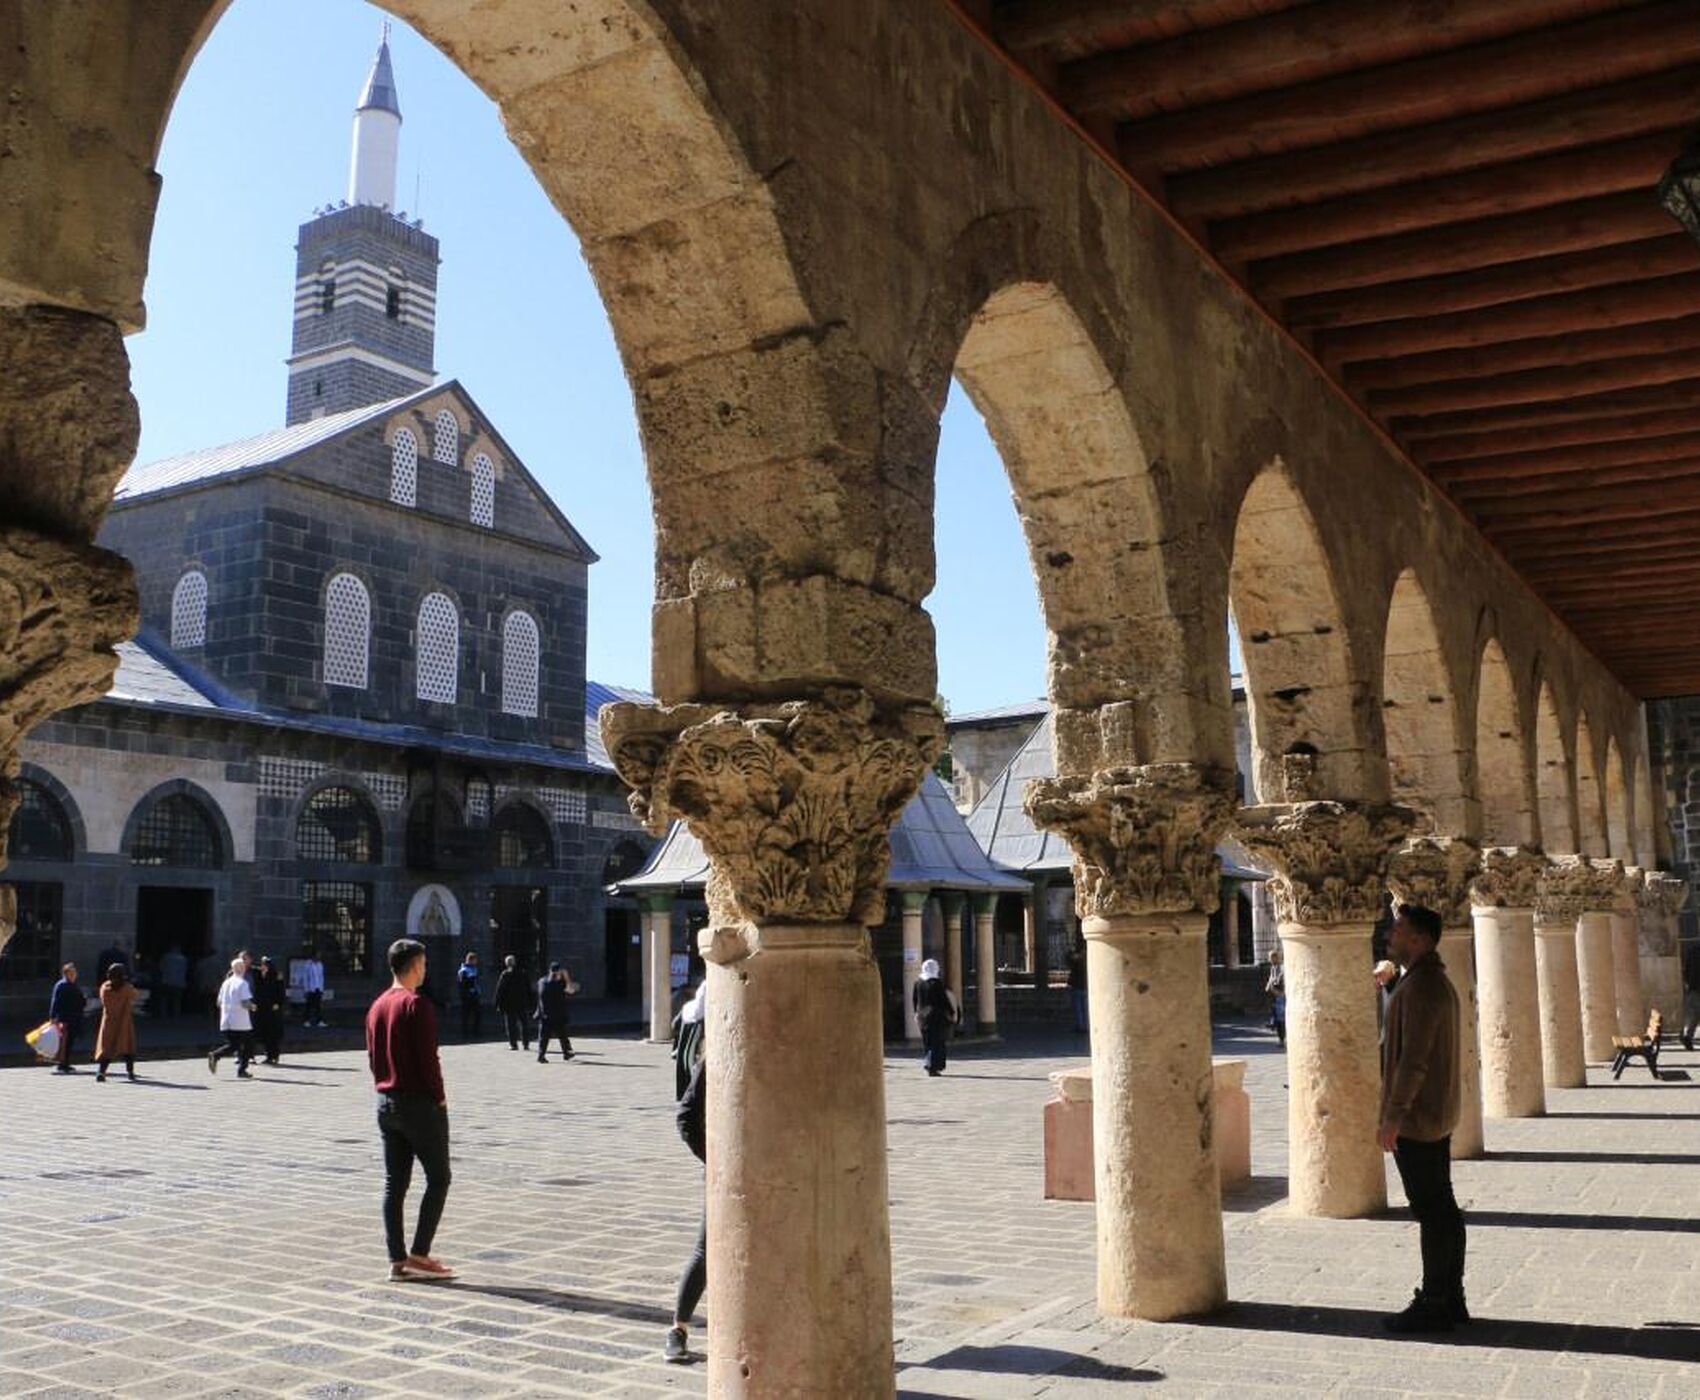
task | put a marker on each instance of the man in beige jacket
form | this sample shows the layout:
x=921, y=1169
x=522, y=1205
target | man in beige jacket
x=1419, y=1108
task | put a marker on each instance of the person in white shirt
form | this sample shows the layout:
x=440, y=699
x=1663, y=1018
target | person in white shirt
x=235, y=1020
x=312, y=981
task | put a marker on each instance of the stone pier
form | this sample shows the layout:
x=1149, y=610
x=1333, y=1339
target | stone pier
x=1559, y=899
x=1626, y=955
x=1503, y=907
x=1595, y=965
x=1661, y=902
x=986, y=963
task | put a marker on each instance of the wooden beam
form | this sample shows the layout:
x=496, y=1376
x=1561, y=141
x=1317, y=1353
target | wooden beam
x=1648, y=103
x=1667, y=254
x=1523, y=68
x=1648, y=338
x=1606, y=558
x=1581, y=409
x=1573, y=521
x=1034, y=24
x=1475, y=492
x=1512, y=466
x=1625, y=217
x=1404, y=205
x=1586, y=507
x=1597, y=308
x=1535, y=385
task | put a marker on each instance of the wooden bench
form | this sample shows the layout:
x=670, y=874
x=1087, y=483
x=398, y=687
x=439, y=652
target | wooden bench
x=1644, y=1047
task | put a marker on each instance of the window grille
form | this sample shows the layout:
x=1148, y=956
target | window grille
x=445, y=441
x=483, y=491
x=520, y=656
x=404, y=468
x=176, y=831
x=522, y=839
x=39, y=828
x=337, y=825
x=33, y=953
x=438, y=644
x=189, y=610
x=477, y=799
x=348, y=631
x=336, y=924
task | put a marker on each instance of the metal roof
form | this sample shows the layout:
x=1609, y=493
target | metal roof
x=596, y=695
x=1026, y=709
x=379, y=91
x=930, y=849
x=144, y=679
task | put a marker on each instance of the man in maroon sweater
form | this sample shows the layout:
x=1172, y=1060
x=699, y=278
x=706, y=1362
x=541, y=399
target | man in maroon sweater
x=413, y=1109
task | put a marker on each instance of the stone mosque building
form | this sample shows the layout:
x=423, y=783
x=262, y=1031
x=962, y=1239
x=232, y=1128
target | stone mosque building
x=1378, y=336
x=357, y=702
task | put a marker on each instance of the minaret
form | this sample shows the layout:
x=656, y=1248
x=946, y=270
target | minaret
x=365, y=278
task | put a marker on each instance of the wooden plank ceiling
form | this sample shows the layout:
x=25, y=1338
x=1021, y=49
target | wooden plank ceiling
x=1451, y=203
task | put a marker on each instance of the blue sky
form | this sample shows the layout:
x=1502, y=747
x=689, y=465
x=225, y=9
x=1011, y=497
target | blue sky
x=260, y=137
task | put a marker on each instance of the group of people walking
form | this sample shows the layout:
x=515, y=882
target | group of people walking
x=522, y=1004
x=250, y=1008
x=115, y=1039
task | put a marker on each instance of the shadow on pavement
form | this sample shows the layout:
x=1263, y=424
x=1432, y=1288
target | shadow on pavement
x=1018, y=1360
x=1626, y=1116
x=1648, y=1343
x=1542, y=1220
x=145, y=1082
x=570, y=1302
x=1634, y=1159
x=1255, y=1194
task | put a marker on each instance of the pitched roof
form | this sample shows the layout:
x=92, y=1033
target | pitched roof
x=930, y=849
x=596, y=695
x=998, y=714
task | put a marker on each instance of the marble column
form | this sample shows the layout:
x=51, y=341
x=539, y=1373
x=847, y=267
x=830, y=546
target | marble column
x=952, y=903
x=1508, y=1004
x=1145, y=878
x=1436, y=872
x=1662, y=900
x=1331, y=861
x=1034, y=918
x=658, y=965
x=1626, y=956
x=1558, y=904
x=799, y=1239
x=986, y=963
x=1230, y=924
x=1595, y=965
x=914, y=908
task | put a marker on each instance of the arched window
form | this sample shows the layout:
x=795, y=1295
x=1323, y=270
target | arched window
x=176, y=831
x=520, y=653
x=445, y=441
x=404, y=468
x=522, y=839
x=189, y=610
x=483, y=510
x=438, y=644
x=337, y=825
x=348, y=631
x=40, y=829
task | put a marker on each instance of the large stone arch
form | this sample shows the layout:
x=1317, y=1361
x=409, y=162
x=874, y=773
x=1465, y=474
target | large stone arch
x=1620, y=835
x=1502, y=787
x=1590, y=795
x=1303, y=690
x=1419, y=712
x=1555, y=796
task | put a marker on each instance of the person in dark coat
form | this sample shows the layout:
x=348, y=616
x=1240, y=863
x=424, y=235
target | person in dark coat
x=935, y=1009
x=691, y=1118
x=65, y=1008
x=513, y=1004
x=271, y=1001
x=552, y=993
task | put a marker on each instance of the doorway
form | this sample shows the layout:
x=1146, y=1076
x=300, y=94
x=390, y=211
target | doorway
x=622, y=954
x=168, y=915
x=519, y=920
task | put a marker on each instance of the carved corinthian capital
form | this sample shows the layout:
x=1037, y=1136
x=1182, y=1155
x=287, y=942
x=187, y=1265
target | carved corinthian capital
x=1670, y=891
x=1330, y=858
x=792, y=801
x=1561, y=893
x=1436, y=871
x=1609, y=889
x=1144, y=838
x=1509, y=877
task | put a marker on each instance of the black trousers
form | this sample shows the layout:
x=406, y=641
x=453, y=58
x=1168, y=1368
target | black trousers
x=518, y=1028
x=270, y=1033
x=1425, y=1168
x=935, y=1036
x=471, y=1018
x=129, y=1065
x=313, y=1008
x=239, y=1044
x=557, y=1029
x=412, y=1127
x=694, y=1279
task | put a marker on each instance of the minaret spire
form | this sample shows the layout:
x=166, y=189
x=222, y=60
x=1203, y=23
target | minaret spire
x=377, y=134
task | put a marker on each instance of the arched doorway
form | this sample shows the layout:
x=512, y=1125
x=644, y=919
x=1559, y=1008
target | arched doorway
x=523, y=856
x=178, y=843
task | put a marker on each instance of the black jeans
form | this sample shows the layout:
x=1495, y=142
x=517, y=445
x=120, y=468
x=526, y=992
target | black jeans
x=471, y=1018
x=239, y=1044
x=1425, y=1168
x=312, y=1008
x=518, y=1028
x=694, y=1279
x=558, y=1029
x=411, y=1126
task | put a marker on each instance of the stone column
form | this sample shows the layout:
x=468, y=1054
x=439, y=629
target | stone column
x=1436, y=871
x=1626, y=955
x=1331, y=862
x=952, y=904
x=1508, y=1004
x=1558, y=904
x=1230, y=924
x=1662, y=899
x=1033, y=926
x=986, y=963
x=658, y=965
x=1145, y=878
x=1594, y=962
x=793, y=803
x=914, y=907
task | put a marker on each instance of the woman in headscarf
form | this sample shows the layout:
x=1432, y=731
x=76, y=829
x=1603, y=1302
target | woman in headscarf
x=935, y=1009
x=116, y=1039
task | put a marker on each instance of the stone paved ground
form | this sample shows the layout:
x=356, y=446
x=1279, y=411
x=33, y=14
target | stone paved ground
x=192, y=1236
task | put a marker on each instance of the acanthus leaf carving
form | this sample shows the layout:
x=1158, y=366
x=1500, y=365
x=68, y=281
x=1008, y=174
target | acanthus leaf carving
x=1330, y=858
x=1436, y=872
x=1562, y=892
x=1509, y=877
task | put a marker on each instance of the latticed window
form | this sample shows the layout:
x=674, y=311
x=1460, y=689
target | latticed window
x=483, y=491
x=445, y=441
x=189, y=610
x=39, y=829
x=33, y=954
x=337, y=825
x=404, y=468
x=520, y=656
x=176, y=831
x=336, y=924
x=438, y=644
x=348, y=631
x=522, y=839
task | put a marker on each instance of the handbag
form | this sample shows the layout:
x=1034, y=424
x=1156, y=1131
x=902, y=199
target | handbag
x=44, y=1040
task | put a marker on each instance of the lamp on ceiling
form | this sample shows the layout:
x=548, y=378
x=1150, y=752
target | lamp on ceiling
x=1679, y=190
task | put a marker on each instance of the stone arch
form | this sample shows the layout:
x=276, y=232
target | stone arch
x=206, y=806
x=522, y=835
x=1555, y=801
x=1419, y=712
x=1502, y=787
x=1302, y=688
x=69, y=811
x=1646, y=836
x=1620, y=842
x=1590, y=804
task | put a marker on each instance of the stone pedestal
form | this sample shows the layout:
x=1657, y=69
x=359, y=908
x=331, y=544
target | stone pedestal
x=1595, y=972
x=986, y=963
x=1508, y=1005
x=1562, y=1061
x=658, y=966
x=914, y=907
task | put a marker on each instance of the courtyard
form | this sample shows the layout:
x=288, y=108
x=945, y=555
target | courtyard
x=198, y=1236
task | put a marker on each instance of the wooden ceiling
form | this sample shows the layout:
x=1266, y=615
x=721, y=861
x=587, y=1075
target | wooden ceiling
x=1451, y=203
